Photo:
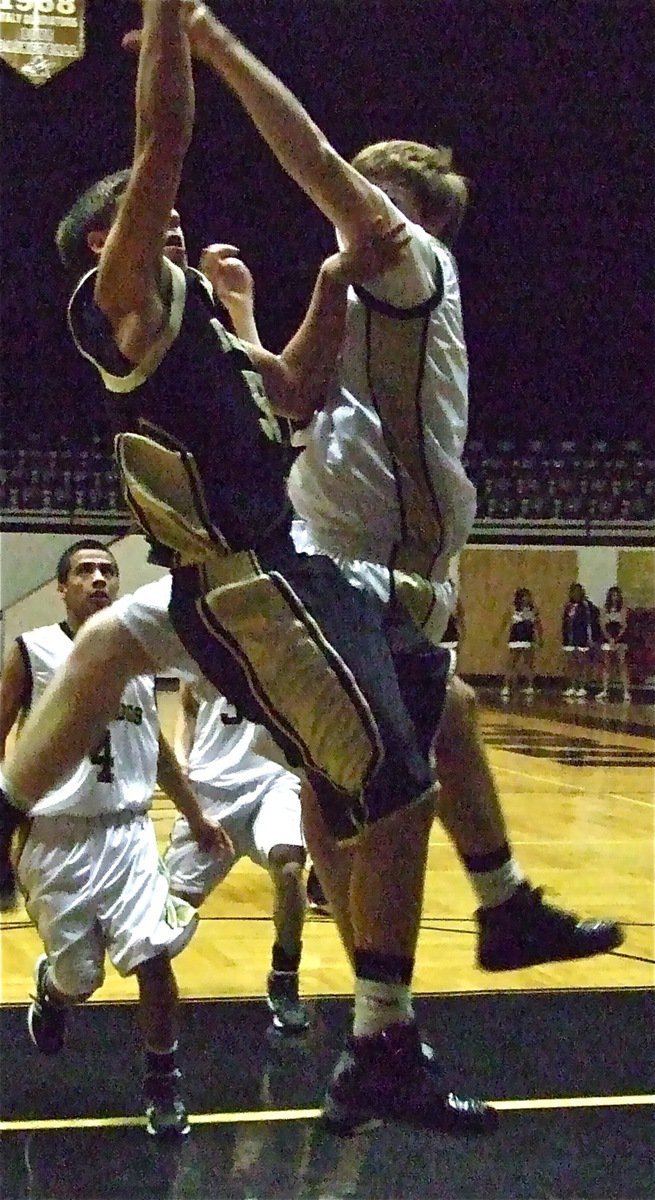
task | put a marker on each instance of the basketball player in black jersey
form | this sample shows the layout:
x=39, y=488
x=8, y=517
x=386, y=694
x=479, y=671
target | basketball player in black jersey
x=284, y=636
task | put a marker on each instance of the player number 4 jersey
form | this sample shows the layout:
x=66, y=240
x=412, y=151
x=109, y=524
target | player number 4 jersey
x=121, y=774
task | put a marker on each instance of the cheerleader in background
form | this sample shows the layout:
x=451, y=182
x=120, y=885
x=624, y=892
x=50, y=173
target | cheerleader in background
x=580, y=632
x=613, y=623
x=524, y=635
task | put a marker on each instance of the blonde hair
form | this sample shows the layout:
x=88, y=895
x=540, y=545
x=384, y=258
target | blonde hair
x=427, y=173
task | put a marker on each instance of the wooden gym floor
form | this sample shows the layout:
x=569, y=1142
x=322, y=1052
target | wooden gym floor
x=563, y=1048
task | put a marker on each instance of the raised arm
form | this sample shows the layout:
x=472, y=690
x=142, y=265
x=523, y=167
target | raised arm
x=129, y=284
x=337, y=189
x=297, y=379
x=233, y=286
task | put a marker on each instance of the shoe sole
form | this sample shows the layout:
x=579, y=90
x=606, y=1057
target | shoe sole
x=31, y=1010
x=30, y=1026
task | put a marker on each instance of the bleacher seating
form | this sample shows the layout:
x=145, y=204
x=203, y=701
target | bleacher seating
x=563, y=481
x=540, y=481
x=62, y=478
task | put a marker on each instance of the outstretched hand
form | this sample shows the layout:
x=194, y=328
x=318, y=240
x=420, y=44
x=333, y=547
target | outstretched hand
x=379, y=250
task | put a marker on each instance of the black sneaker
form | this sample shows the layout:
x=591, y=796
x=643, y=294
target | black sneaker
x=525, y=931
x=46, y=1021
x=289, y=1013
x=387, y=1078
x=317, y=902
x=165, y=1109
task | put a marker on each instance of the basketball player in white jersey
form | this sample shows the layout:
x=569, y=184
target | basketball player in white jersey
x=88, y=866
x=380, y=483
x=257, y=803
x=516, y=928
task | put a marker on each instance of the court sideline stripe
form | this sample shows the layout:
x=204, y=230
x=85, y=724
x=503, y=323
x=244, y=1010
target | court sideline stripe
x=572, y=787
x=311, y=1114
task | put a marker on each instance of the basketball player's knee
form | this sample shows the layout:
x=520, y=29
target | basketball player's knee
x=286, y=863
x=94, y=645
x=78, y=981
x=104, y=646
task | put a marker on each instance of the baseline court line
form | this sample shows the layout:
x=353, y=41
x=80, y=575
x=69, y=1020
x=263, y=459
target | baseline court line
x=311, y=1114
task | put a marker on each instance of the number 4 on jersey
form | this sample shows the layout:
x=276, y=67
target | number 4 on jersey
x=102, y=757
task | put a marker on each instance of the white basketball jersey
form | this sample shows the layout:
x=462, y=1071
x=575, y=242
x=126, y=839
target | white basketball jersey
x=122, y=773
x=381, y=476
x=222, y=759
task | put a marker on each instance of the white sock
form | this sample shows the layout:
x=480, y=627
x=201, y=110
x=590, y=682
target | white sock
x=378, y=1005
x=495, y=887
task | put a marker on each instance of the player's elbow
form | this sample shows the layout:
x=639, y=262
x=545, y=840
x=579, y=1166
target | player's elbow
x=295, y=399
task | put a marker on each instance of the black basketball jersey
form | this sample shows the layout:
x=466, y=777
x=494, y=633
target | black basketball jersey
x=197, y=392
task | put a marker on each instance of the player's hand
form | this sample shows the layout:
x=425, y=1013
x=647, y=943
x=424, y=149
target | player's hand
x=212, y=837
x=229, y=276
x=380, y=250
x=199, y=21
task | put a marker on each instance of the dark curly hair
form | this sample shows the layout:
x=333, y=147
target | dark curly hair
x=93, y=210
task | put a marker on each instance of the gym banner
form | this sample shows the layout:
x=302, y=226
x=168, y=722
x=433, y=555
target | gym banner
x=38, y=38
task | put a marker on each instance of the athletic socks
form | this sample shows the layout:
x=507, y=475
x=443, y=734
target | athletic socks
x=160, y=1062
x=284, y=962
x=383, y=994
x=494, y=876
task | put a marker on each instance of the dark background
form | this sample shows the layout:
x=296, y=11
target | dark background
x=548, y=107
